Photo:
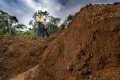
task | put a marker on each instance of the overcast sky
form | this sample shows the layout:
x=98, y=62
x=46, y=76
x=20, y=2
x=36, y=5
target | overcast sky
x=24, y=9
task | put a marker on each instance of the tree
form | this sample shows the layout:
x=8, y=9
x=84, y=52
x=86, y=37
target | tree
x=67, y=21
x=28, y=32
x=70, y=18
x=53, y=25
x=40, y=13
x=8, y=24
x=11, y=20
x=17, y=30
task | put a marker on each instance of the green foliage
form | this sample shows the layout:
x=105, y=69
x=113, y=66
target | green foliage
x=54, y=20
x=28, y=33
x=9, y=24
x=13, y=18
x=66, y=22
x=52, y=28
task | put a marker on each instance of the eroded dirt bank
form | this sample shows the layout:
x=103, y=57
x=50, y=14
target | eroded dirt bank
x=18, y=54
x=88, y=49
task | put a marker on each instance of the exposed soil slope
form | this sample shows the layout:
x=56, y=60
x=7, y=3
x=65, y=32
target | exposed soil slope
x=88, y=49
x=23, y=75
x=18, y=54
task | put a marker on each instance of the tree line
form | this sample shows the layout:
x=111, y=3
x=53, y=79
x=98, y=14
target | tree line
x=9, y=25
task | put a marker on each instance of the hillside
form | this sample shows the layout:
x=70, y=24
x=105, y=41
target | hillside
x=87, y=50
x=19, y=54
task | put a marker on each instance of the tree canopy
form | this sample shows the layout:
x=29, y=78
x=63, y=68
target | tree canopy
x=9, y=24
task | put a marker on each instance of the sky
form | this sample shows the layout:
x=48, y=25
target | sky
x=24, y=9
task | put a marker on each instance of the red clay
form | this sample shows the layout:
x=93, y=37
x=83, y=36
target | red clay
x=88, y=50
x=18, y=54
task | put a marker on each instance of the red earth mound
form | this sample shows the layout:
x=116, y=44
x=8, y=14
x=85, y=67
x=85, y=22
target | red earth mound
x=88, y=49
x=18, y=54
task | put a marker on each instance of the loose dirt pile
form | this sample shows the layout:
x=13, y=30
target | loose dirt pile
x=23, y=75
x=18, y=54
x=88, y=49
